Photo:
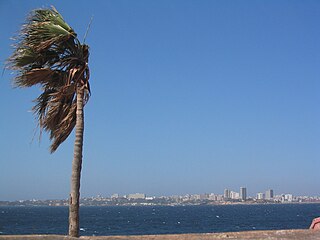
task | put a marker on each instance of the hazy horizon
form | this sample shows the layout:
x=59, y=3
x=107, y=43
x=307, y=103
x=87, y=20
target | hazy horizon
x=187, y=97
x=253, y=195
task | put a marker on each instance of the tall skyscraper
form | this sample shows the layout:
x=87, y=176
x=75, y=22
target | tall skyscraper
x=269, y=194
x=243, y=193
x=226, y=194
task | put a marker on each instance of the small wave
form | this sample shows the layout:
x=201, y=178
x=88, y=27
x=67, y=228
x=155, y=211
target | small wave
x=82, y=229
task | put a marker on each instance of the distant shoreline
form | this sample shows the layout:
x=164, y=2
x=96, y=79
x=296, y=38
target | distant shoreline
x=14, y=204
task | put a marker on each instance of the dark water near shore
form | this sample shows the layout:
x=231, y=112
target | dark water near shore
x=158, y=220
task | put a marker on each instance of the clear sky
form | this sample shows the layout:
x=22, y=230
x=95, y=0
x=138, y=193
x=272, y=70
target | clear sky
x=187, y=97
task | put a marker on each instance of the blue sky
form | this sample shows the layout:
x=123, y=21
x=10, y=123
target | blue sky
x=187, y=97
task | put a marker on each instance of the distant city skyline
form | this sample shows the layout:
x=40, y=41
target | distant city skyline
x=227, y=194
x=231, y=193
x=187, y=97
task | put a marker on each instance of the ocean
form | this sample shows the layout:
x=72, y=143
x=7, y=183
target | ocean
x=137, y=220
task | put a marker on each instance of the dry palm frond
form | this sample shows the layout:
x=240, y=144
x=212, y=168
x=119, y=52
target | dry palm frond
x=48, y=53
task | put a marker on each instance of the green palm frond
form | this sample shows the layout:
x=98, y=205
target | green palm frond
x=50, y=15
x=46, y=27
x=47, y=53
x=24, y=57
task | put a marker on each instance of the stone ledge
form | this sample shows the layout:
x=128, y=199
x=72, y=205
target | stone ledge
x=263, y=235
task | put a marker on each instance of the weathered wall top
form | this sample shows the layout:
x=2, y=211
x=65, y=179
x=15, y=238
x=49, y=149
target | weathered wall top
x=263, y=235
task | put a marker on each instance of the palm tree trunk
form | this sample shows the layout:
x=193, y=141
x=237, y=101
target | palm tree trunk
x=76, y=168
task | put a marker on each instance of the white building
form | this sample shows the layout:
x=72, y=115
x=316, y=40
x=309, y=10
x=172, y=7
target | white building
x=195, y=197
x=215, y=197
x=234, y=195
x=116, y=195
x=260, y=196
x=137, y=196
x=288, y=197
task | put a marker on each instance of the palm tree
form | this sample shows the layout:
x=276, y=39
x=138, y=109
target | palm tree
x=48, y=53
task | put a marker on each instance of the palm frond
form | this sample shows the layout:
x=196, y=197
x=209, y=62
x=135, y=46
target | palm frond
x=45, y=27
x=47, y=53
x=33, y=77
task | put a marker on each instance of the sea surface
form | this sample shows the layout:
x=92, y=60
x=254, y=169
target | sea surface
x=159, y=219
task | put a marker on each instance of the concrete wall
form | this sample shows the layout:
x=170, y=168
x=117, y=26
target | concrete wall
x=264, y=235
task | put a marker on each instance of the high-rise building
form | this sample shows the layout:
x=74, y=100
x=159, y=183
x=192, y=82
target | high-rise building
x=243, y=193
x=226, y=194
x=260, y=196
x=234, y=195
x=269, y=194
x=288, y=197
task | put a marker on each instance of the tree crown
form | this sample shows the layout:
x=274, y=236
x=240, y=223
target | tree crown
x=48, y=53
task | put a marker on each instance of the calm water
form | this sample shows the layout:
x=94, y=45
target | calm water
x=158, y=220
